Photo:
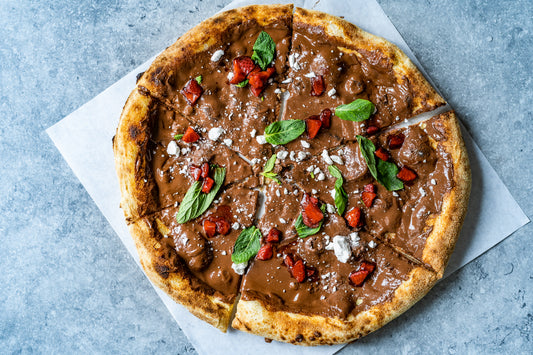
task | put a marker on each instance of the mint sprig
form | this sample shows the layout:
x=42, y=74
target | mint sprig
x=283, y=132
x=341, y=198
x=383, y=171
x=178, y=136
x=269, y=166
x=264, y=49
x=357, y=111
x=198, y=79
x=304, y=231
x=247, y=245
x=242, y=83
x=195, y=201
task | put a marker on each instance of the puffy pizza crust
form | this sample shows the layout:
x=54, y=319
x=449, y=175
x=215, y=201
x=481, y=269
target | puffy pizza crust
x=301, y=329
x=175, y=280
x=447, y=225
x=425, y=97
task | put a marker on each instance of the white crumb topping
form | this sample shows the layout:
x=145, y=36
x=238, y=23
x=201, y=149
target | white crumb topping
x=239, y=268
x=326, y=158
x=372, y=244
x=287, y=81
x=337, y=159
x=260, y=139
x=172, y=148
x=282, y=154
x=332, y=92
x=310, y=75
x=217, y=55
x=253, y=133
x=305, y=144
x=215, y=133
x=321, y=177
x=228, y=142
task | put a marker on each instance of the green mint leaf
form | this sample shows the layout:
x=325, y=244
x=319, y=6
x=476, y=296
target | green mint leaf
x=283, y=132
x=242, y=83
x=270, y=164
x=178, y=136
x=303, y=230
x=272, y=176
x=264, y=49
x=198, y=79
x=247, y=245
x=195, y=202
x=341, y=198
x=387, y=172
x=383, y=171
x=312, y=175
x=358, y=110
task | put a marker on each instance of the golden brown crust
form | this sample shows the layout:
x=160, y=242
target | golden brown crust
x=174, y=279
x=253, y=317
x=130, y=147
x=425, y=97
x=207, y=36
x=447, y=225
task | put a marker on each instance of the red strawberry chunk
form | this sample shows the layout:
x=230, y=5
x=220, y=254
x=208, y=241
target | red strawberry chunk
x=313, y=125
x=325, y=117
x=298, y=271
x=382, y=154
x=195, y=172
x=396, y=140
x=207, y=185
x=242, y=66
x=190, y=136
x=205, y=170
x=258, y=79
x=372, y=130
x=311, y=214
x=353, y=217
x=273, y=236
x=223, y=226
x=369, y=188
x=406, y=174
x=265, y=252
x=210, y=228
x=357, y=278
x=368, y=198
x=192, y=91
x=318, y=85
x=288, y=261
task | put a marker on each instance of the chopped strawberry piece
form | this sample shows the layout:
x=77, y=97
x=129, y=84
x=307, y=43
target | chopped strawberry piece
x=223, y=226
x=325, y=117
x=372, y=130
x=353, y=217
x=195, y=172
x=368, y=198
x=311, y=214
x=313, y=125
x=369, y=188
x=396, y=140
x=265, y=252
x=288, y=261
x=406, y=174
x=210, y=228
x=192, y=91
x=242, y=66
x=357, y=278
x=205, y=170
x=258, y=79
x=273, y=236
x=298, y=271
x=190, y=136
x=382, y=154
x=318, y=85
x=207, y=185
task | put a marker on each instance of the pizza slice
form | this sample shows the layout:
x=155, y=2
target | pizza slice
x=158, y=155
x=323, y=285
x=357, y=81
x=191, y=261
x=223, y=75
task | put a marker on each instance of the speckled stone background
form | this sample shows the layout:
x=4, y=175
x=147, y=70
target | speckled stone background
x=66, y=282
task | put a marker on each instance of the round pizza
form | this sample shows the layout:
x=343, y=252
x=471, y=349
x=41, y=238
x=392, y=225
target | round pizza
x=276, y=175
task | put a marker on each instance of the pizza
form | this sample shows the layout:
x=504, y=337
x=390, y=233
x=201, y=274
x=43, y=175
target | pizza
x=276, y=175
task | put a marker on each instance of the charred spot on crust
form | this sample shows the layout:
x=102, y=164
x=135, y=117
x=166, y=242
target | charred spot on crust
x=134, y=132
x=162, y=270
x=317, y=334
x=138, y=77
x=143, y=91
x=299, y=338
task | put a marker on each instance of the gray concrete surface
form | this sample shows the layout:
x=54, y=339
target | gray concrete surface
x=67, y=285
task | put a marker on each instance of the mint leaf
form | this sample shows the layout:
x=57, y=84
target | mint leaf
x=198, y=79
x=303, y=230
x=178, y=136
x=195, y=202
x=264, y=49
x=383, y=171
x=267, y=170
x=247, y=245
x=272, y=176
x=358, y=110
x=341, y=198
x=283, y=132
x=242, y=83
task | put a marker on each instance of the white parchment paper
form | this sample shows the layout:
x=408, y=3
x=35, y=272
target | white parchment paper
x=84, y=140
